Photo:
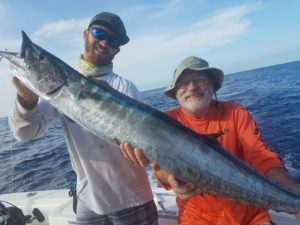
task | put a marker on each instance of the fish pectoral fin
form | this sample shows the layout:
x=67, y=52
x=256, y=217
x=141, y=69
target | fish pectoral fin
x=214, y=137
x=77, y=92
x=74, y=89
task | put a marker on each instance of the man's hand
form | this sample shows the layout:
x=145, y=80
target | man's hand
x=25, y=96
x=281, y=176
x=133, y=155
x=182, y=189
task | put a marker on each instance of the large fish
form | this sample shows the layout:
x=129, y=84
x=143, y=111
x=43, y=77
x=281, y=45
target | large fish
x=107, y=113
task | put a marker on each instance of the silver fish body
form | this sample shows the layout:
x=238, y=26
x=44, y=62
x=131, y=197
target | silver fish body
x=109, y=114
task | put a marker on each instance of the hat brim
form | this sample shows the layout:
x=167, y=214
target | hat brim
x=215, y=74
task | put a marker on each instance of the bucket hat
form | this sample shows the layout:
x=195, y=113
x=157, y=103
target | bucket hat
x=195, y=64
x=113, y=22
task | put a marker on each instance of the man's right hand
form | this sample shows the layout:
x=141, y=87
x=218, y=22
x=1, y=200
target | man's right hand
x=25, y=96
x=183, y=190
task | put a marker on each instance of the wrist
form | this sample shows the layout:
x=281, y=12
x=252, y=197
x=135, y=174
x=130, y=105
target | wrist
x=27, y=103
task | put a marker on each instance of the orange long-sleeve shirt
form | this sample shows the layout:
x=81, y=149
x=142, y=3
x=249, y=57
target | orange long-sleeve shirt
x=242, y=138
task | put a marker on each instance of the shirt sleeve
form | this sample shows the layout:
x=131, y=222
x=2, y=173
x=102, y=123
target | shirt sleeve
x=133, y=92
x=123, y=85
x=255, y=150
x=28, y=124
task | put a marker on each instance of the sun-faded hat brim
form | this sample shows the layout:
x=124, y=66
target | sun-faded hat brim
x=216, y=75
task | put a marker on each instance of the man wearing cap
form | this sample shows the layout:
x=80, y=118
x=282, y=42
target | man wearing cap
x=194, y=86
x=109, y=189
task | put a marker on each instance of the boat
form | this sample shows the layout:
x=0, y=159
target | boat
x=55, y=207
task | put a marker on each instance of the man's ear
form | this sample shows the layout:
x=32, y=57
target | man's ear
x=85, y=34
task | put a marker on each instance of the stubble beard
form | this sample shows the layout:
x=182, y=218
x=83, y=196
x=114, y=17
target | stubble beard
x=97, y=58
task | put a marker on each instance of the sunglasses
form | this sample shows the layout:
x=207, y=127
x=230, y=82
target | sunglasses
x=101, y=34
x=198, y=81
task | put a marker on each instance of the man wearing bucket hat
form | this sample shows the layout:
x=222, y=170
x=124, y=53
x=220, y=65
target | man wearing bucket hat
x=194, y=86
x=109, y=189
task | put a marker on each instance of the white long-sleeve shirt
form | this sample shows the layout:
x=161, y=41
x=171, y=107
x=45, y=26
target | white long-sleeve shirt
x=106, y=182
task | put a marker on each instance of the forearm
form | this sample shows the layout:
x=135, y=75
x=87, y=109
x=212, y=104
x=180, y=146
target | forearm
x=27, y=124
x=282, y=176
x=22, y=122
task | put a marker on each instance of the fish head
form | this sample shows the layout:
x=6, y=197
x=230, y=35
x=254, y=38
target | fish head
x=44, y=70
x=38, y=69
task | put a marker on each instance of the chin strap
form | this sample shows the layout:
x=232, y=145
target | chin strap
x=218, y=105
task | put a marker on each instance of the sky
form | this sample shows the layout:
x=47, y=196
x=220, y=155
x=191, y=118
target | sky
x=231, y=35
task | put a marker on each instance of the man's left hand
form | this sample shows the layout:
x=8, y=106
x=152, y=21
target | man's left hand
x=182, y=189
x=133, y=155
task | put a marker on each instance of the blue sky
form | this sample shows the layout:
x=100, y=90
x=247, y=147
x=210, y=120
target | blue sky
x=231, y=35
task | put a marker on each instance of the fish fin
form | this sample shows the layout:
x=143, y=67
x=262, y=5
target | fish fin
x=101, y=82
x=76, y=90
x=215, y=136
x=1, y=56
x=73, y=90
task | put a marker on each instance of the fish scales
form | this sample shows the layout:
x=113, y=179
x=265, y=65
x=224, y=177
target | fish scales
x=109, y=114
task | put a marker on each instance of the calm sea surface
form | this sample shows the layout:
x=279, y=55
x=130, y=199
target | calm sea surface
x=271, y=94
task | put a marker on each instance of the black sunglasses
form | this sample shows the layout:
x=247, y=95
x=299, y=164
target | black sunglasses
x=101, y=34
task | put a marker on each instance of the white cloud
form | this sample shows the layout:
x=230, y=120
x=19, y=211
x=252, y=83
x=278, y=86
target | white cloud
x=167, y=9
x=61, y=28
x=2, y=10
x=153, y=10
x=219, y=29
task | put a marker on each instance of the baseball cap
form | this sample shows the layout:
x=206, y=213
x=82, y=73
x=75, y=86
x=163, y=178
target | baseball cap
x=113, y=22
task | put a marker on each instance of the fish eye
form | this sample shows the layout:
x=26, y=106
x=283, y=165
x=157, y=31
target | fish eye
x=41, y=56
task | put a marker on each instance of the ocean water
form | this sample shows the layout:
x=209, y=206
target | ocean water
x=271, y=94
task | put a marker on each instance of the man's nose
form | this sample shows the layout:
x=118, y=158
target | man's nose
x=192, y=85
x=104, y=42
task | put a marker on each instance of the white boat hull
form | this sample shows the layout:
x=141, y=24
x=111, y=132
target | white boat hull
x=57, y=207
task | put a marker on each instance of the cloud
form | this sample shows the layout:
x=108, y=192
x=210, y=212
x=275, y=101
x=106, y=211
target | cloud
x=167, y=9
x=154, y=10
x=219, y=29
x=164, y=46
x=2, y=10
x=61, y=28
